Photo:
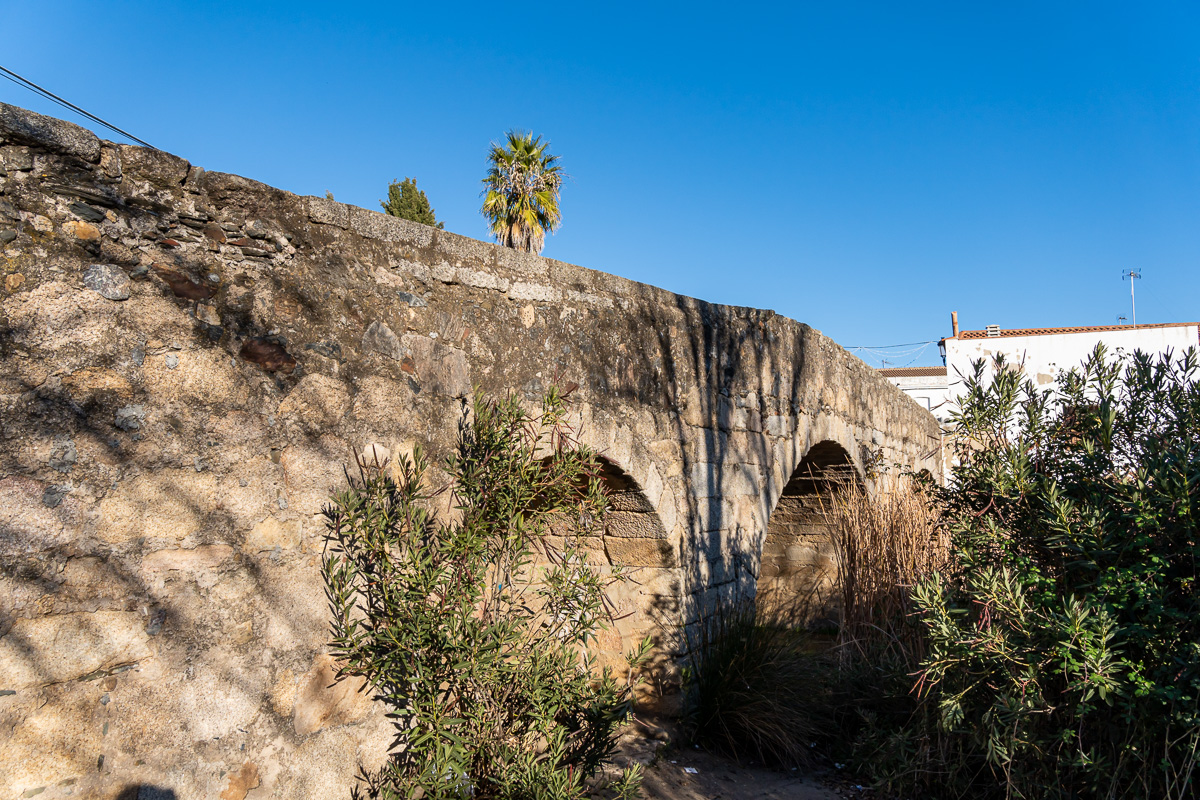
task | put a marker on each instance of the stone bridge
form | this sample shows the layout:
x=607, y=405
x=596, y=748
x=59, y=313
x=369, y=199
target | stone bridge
x=188, y=359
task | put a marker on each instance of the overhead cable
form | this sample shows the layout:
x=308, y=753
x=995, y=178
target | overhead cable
x=47, y=94
x=890, y=346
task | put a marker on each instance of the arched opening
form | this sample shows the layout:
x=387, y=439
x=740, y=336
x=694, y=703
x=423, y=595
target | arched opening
x=647, y=603
x=633, y=534
x=798, y=573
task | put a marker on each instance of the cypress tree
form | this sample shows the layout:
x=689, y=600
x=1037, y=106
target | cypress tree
x=406, y=201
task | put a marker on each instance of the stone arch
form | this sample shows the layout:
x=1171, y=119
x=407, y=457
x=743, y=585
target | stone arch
x=634, y=536
x=798, y=569
x=636, y=541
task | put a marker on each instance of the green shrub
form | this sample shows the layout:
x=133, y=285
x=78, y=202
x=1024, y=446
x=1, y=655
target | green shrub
x=476, y=629
x=1064, y=643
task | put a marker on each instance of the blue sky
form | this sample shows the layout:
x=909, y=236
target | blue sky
x=863, y=167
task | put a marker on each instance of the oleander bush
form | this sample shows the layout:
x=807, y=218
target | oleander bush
x=1063, y=640
x=474, y=628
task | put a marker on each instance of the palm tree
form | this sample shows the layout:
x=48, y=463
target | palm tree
x=521, y=195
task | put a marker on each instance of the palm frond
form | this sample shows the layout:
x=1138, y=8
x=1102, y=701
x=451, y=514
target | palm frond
x=521, y=191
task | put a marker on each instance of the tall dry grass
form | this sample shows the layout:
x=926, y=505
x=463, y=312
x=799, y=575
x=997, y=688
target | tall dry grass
x=885, y=541
x=763, y=684
x=756, y=690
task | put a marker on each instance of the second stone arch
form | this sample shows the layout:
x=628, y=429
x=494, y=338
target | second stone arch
x=799, y=572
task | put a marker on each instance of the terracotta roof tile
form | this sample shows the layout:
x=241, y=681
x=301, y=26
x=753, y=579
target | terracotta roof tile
x=913, y=372
x=1084, y=329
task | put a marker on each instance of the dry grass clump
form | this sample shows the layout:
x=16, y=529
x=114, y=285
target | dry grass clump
x=885, y=542
x=756, y=690
x=765, y=683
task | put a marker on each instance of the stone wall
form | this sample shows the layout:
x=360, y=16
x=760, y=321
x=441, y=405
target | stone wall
x=188, y=359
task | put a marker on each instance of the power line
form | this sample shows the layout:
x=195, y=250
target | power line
x=46, y=93
x=890, y=346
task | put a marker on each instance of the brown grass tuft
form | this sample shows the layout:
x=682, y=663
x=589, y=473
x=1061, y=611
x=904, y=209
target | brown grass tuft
x=885, y=543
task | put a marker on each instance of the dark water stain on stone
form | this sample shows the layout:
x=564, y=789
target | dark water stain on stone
x=328, y=349
x=183, y=286
x=268, y=354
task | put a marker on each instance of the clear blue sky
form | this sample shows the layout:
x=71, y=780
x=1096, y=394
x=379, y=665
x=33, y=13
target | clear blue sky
x=864, y=168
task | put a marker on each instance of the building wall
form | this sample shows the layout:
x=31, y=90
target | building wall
x=1044, y=355
x=930, y=392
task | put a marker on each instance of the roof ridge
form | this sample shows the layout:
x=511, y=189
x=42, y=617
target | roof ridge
x=983, y=334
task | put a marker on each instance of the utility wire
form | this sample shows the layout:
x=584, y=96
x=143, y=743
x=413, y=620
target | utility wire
x=890, y=346
x=889, y=352
x=46, y=93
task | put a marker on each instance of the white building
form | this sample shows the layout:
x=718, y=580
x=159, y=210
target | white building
x=927, y=385
x=1041, y=352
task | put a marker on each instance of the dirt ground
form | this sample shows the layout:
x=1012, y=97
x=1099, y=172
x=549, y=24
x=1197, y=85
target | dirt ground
x=717, y=778
x=676, y=772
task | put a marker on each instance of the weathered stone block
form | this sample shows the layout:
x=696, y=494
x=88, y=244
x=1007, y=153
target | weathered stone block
x=781, y=424
x=92, y=382
x=157, y=168
x=520, y=263
x=198, y=559
x=465, y=251
x=328, y=212
x=203, y=377
x=640, y=552
x=535, y=292
x=587, y=298
x=272, y=533
x=381, y=339
x=324, y=701
x=726, y=479
x=168, y=505
x=214, y=706
x=443, y=369
x=634, y=525
x=53, y=134
x=376, y=225
x=52, y=743
x=45, y=650
x=16, y=159
x=379, y=399
x=482, y=280
x=314, y=473
x=629, y=501
x=317, y=402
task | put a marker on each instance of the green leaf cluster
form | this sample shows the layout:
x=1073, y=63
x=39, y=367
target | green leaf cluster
x=477, y=628
x=1063, y=654
x=406, y=201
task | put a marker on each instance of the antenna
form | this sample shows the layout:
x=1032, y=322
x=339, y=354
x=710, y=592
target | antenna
x=1132, y=274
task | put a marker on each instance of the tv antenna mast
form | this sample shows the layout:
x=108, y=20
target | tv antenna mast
x=1132, y=274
